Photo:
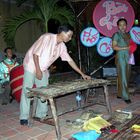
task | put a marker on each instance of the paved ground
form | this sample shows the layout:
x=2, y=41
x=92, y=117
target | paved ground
x=10, y=129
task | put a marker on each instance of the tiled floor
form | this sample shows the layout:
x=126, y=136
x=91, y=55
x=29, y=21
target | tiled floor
x=10, y=129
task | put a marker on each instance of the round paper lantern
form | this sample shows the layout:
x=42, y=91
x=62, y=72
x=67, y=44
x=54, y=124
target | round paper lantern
x=89, y=37
x=135, y=34
x=104, y=47
x=107, y=13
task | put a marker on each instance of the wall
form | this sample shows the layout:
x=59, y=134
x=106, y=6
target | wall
x=26, y=34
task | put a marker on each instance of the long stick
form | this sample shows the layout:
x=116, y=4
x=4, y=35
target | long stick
x=102, y=65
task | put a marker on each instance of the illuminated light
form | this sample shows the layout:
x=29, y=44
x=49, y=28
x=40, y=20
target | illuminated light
x=136, y=21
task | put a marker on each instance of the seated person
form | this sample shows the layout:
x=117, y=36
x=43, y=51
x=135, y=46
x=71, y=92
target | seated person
x=5, y=67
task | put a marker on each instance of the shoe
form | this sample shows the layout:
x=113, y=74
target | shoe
x=119, y=97
x=128, y=101
x=24, y=122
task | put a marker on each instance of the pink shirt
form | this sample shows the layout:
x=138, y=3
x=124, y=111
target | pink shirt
x=48, y=50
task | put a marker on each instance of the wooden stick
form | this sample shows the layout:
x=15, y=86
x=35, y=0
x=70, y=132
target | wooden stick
x=57, y=127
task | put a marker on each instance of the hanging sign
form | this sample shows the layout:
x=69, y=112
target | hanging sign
x=107, y=13
x=135, y=34
x=89, y=37
x=104, y=47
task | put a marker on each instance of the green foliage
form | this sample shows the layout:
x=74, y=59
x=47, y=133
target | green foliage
x=42, y=12
x=13, y=24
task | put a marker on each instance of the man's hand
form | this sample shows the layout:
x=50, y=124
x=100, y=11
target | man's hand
x=86, y=77
x=39, y=75
x=75, y=67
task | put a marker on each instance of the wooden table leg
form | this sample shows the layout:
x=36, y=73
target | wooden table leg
x=33, y=111
x=87, y=95
x=107, y=99
x=56, y=121
x=35, y=102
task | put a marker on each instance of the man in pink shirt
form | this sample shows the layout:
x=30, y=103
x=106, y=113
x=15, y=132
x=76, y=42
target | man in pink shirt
x=38, y=59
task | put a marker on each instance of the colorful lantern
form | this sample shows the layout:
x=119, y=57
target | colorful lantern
x=89, y=37
x=107, y=13
x=104, y=47
x=135, y=34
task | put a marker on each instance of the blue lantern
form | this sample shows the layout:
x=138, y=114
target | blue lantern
x=104, y=47
x=89, y=37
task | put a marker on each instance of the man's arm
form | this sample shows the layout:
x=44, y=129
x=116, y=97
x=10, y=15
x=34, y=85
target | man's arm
x=38, y=70
x=75, y=67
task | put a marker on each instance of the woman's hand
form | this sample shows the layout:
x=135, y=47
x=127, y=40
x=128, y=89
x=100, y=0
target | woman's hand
x=125, y=48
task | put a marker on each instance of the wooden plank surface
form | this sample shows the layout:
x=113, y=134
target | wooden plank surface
x=62, y=88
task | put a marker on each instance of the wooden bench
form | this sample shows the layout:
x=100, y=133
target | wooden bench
x=63, y=88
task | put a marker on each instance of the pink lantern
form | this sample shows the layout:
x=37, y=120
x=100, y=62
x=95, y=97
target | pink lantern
x=107, y=13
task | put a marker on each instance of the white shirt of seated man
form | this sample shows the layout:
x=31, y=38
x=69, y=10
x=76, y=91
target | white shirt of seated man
x=7, y=65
